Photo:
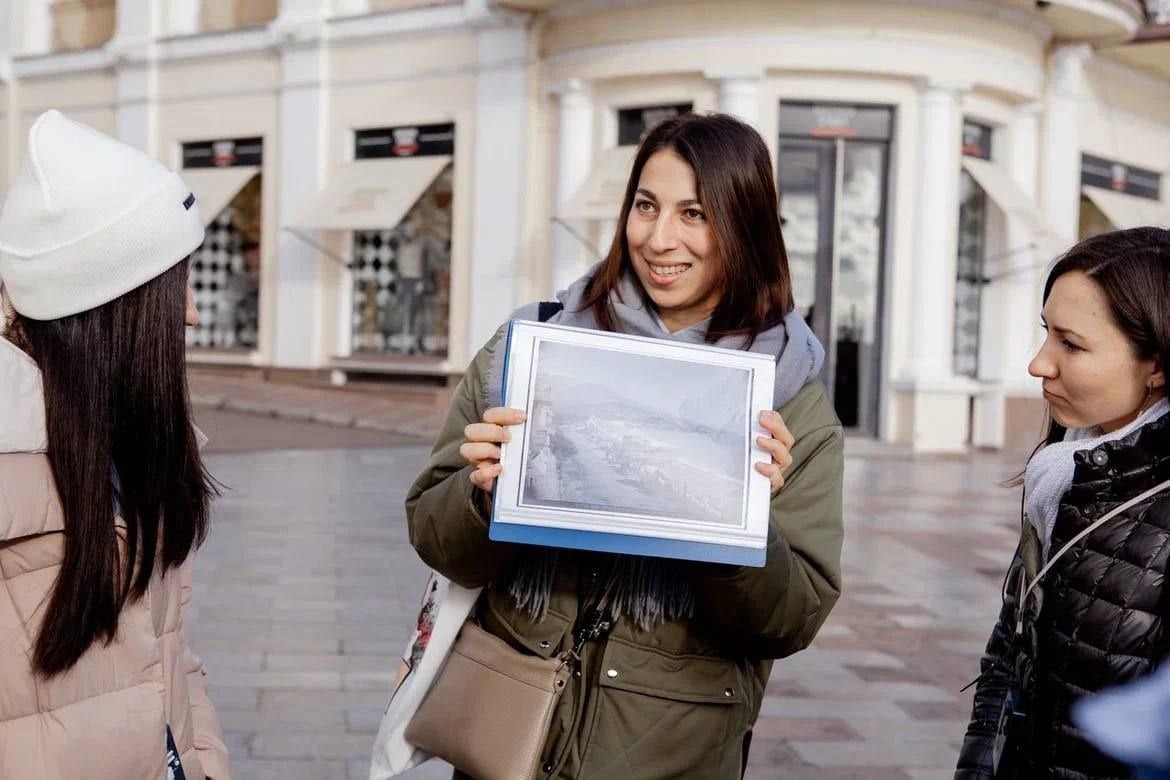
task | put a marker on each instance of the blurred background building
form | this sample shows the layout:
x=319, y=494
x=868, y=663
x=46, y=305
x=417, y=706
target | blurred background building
x=384, y=181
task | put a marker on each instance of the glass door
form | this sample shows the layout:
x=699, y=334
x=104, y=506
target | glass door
x=833, y=167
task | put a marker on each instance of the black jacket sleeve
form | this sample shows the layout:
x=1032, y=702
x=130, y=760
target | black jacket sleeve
x=997, y=675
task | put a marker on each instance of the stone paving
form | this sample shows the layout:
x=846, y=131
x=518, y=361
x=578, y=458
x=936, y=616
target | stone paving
x=307, y=587
x=418, y=414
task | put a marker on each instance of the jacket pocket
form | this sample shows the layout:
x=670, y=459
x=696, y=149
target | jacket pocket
x=539, y=637
x=665, y=716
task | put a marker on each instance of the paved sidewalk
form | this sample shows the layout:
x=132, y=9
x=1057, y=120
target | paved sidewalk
x=307, y=587
x=389, y=411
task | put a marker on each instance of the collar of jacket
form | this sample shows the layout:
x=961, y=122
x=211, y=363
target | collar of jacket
x=1117, y=470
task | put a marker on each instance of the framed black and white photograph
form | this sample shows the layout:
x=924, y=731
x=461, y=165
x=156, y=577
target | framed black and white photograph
x=634, y=445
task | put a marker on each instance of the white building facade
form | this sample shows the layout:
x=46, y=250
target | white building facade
x=386, y=180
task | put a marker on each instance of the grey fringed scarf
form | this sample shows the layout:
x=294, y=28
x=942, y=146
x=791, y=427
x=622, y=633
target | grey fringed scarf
x=648, y=590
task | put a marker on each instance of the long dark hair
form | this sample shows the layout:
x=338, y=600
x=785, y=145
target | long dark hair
x=733, y=174
x=1132, y=270
x=120, y=440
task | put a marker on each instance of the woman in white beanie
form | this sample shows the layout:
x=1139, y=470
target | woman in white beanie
x=103, y=496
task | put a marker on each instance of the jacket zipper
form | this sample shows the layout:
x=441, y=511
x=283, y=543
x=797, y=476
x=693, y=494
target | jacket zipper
x=598, y=626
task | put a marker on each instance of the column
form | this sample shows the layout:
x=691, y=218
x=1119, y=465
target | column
x=939, y=403
x=136, y=27
x=36, y=22
x=937, y=215
x=1011, y=309
x=574, y=157
x=1022, y=311
x=294, y=334
x=739, y=94
x=501, y=121
x=1061, y=166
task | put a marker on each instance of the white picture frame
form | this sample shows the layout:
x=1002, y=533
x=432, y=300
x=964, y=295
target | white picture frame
x=634, y=445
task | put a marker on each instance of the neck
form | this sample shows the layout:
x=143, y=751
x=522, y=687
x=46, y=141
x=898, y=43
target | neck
x=676, y=322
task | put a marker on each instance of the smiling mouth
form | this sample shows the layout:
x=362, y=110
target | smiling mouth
x=668, y=271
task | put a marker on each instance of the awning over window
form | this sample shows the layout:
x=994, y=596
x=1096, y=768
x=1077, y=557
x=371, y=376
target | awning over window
x=371, y=194
x=1128, y=211
x=1008, y=196
x=214, y=188
x=600, y=197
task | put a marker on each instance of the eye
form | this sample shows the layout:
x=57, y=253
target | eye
x=644, y=206
x=1069, y=346
x=694, y=214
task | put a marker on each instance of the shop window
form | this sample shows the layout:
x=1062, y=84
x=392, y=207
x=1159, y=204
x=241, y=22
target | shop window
x=402, y=275
x=232, y=14
x=82, y=24
x=634, y=123
x=225, y=270
x=969, y=276
x=225, y=275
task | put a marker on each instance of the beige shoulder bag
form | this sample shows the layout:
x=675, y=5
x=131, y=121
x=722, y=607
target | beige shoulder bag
x=488, y=714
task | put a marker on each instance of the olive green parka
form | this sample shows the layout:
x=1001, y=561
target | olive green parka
x=678, y=701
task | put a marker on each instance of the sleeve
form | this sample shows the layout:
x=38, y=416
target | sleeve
x=209, y=743
x=447, y=515
x=995, y=680
x=776, y=610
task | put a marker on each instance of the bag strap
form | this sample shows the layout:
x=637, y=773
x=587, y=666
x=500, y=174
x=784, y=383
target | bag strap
x=1024, y=593
x=546, y=310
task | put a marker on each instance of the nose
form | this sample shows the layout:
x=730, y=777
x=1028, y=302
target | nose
x=664, y=236
x=1042, y=365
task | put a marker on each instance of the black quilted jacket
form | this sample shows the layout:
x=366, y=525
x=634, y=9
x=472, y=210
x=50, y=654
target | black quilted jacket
x=1097, y=621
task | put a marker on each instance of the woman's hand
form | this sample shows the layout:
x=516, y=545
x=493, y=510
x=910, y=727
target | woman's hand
x=482, y=446
x=779, y=444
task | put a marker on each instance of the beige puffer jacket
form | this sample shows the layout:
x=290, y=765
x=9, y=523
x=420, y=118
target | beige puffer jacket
x=106, y=718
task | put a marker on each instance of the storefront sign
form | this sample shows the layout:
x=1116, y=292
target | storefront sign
x=634, y=123
x=405, y=141
x=223, y=153
x=834, y=120
x=1119, y=177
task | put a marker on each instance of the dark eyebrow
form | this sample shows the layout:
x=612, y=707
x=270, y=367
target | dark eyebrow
x=1065, y=331
x=684, y=203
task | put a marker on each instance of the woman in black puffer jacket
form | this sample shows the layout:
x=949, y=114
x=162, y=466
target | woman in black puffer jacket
x=1094, y=619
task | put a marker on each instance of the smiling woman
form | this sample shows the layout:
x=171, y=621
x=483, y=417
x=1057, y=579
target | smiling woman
x=674, y=682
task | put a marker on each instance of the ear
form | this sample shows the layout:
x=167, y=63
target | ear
x=1157, y=379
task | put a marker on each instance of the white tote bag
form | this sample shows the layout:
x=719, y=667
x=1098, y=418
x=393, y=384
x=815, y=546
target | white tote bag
x=445, y=606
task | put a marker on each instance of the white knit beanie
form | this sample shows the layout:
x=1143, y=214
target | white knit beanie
x=88, y=219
